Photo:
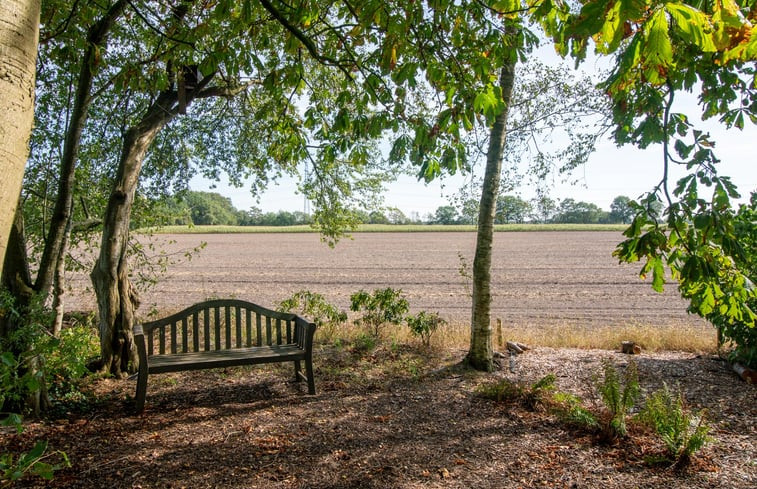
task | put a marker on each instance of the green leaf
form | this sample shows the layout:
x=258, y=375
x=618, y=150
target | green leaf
x=657, y=50
x=692, y=25
x=590, y=20
x=658, y=275
x=505, y=6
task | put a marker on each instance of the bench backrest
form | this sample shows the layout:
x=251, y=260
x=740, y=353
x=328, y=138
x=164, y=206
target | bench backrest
x=222, y=325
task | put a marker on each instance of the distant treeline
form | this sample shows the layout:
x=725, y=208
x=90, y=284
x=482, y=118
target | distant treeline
x=211, y=208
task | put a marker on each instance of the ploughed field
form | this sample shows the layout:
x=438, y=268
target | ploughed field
x=538, y=278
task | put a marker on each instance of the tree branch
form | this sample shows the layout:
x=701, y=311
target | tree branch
x=305, y=40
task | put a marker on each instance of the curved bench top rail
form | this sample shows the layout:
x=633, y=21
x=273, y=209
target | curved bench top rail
x=219, y=303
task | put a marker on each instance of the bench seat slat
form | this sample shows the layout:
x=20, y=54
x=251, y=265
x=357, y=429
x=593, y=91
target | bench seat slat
x=224, y=358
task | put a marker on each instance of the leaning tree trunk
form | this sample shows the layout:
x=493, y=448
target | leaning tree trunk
x=117, y=299
x=480, y=355
x=19, y=34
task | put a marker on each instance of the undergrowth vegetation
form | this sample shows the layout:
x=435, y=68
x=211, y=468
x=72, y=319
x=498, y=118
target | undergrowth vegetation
x=681, y=431
x=34, y=362
x=382, y=338
x=377, y=314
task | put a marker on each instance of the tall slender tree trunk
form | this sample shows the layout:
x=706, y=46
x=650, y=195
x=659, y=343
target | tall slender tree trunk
x=60, y=225
x=59, y=288
x=19, y=35
x=117, y=298
x=480, y=355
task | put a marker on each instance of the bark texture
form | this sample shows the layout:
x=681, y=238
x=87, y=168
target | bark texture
x=19, y=34
x=481, y=355
x=117, y=299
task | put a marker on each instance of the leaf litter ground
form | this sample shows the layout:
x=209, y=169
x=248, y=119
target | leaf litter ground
x=392, y=417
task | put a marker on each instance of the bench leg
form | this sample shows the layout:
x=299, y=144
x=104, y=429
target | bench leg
x=297, y=371
x=309, y=373
x=141, y=390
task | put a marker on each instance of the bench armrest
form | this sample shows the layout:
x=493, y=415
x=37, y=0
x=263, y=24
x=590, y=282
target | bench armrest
x=139, y=342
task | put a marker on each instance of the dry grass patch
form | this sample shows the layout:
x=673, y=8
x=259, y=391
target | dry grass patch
x=456, y=335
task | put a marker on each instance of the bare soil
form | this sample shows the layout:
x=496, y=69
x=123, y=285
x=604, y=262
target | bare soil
x=396, y=416
x=539, y=278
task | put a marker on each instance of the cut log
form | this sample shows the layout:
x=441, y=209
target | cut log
x=630, y=348
x=746, y=373
x=516, y=347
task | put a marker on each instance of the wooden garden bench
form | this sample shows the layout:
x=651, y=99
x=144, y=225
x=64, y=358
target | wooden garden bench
x=222, y=333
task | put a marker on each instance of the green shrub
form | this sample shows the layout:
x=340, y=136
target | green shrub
x=383, y=306
x=683, y=433
x=424, y=325
x=34, y=463
x=316, y=308
x=619, y=396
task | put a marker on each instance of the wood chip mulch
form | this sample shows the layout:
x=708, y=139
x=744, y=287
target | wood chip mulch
x=396, y=417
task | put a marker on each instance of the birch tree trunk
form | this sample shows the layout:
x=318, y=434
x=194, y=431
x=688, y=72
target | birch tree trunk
x=480, y=356
x=19, y=34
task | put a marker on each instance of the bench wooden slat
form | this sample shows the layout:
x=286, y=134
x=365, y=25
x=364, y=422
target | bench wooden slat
x=268, y=331
x=206, y=324
x=224, y=358
x=195, y=331
x=227, y=326
x=248, y=324
x=173, y=337
x=238, y=325
x=259, y=337
x=217, y=329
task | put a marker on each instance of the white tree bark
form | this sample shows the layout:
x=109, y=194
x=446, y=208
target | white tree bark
x=19, y=35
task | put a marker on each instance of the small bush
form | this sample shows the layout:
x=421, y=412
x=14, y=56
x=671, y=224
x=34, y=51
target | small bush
x=570, y=410
x=530, y=397
x=682, y=432
x=315, y=307
x=67, y=363
x=424, y=325
x=619, y=396
x=34, y=463
x=383, y=306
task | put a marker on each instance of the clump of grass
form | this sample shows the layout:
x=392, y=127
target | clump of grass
x=530, y=396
